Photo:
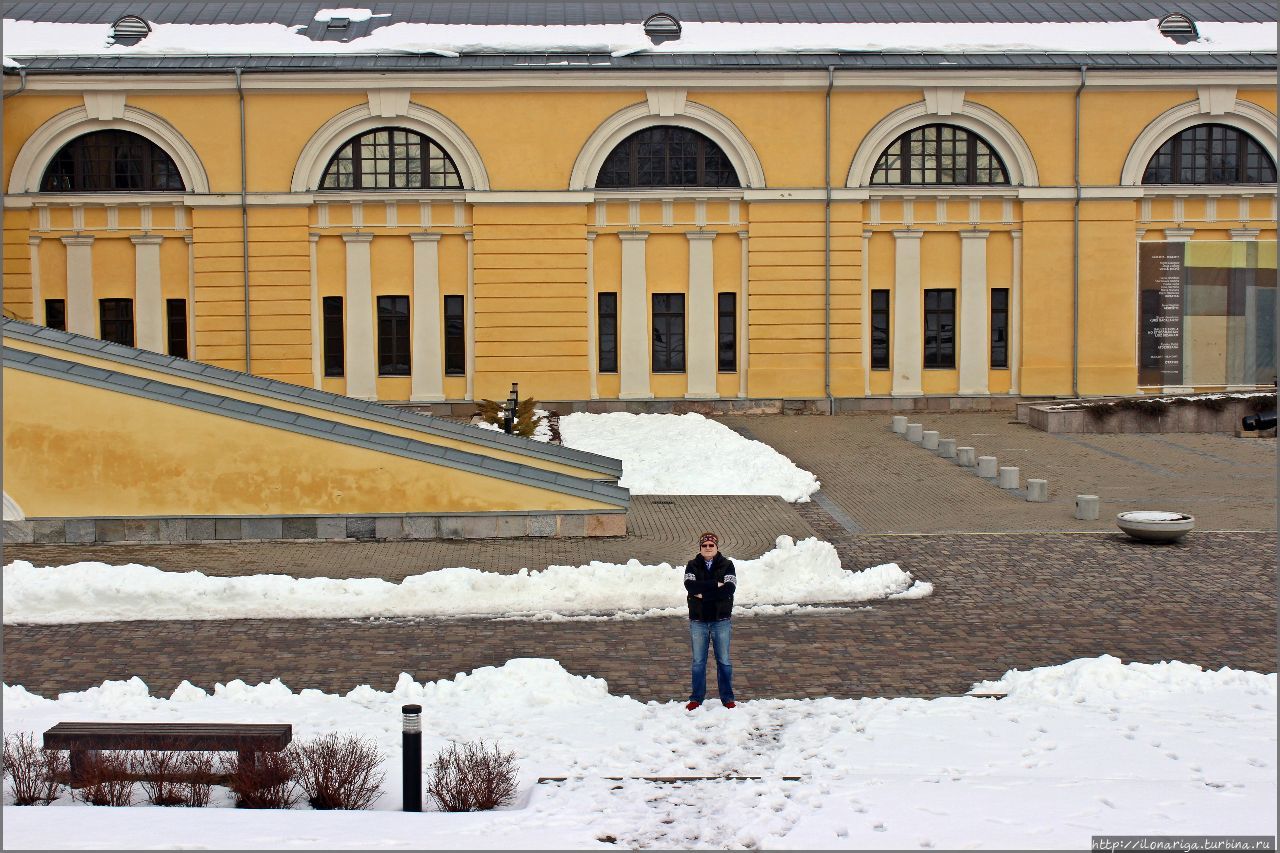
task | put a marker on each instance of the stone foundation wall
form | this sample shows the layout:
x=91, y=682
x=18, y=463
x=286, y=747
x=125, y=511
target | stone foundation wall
x=752, y=406
x=70, y=531
x=1187, y=418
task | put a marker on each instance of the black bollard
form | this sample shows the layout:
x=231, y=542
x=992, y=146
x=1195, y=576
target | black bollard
x=412, y=751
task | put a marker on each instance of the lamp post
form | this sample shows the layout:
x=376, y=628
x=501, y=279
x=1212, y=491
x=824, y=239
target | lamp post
x=412, y=757
x=509, y=416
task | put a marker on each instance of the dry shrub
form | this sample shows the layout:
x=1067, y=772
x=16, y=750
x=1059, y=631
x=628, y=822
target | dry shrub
x=1262, y=403
x=270, y=782
x=172, y=778
x=492, y=412
x=472, y=777
x=105, y=779
x=340, y=772
x=35, y=774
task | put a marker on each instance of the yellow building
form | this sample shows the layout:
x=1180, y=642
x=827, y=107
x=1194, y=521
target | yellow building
x=765, y=212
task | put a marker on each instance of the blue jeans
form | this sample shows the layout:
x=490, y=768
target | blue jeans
x=716, y=633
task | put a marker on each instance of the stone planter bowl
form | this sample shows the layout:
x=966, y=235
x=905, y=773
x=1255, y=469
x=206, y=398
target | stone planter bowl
x=1149, y=526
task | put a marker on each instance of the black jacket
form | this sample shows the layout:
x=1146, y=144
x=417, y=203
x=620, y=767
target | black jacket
x=717, y=601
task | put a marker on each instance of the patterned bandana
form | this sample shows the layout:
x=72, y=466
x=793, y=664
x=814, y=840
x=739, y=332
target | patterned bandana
x=709, y=537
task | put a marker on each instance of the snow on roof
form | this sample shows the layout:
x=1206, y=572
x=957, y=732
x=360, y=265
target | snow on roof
x=356, y=16
x=32, y=38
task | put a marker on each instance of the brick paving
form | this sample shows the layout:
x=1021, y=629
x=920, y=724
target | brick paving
x=1013, y=595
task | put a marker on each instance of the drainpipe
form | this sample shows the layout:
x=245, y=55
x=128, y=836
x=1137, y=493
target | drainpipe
x=22, y=84
x=1075, y=251
x=826, y=251
x=244, y=222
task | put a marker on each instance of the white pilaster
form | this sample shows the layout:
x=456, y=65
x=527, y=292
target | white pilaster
x=148, y=306
x=975, y=319
x=593, y=341
x=191, y=296
x=426, y=354
x=908, y=319
x=81, y=316
x=633, y=325
x=317, y=311
x=866, y=313
x=361, y=369
x=37, y=302
x=470, y=310
x=744, y=328
x=701, y=315
x=1015, y=317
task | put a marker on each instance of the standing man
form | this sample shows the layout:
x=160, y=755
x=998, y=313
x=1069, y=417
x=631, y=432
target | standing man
x=711, y=580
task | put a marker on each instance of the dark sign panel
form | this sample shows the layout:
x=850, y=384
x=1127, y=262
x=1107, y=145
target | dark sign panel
x=1161, y=280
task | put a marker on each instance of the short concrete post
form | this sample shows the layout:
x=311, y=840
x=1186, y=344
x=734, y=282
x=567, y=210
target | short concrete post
x=947, y=448
x=965, y=457
x=1008, y=478
x=1087, y=507
x=929, y=439
x=915, y=433
x=987, y=466
x=900, y=424
x=1038, y=491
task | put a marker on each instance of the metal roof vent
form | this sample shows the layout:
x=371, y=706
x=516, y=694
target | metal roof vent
x=661, y=27
x=1178, y=27
x=129, y=30
x=338, y=23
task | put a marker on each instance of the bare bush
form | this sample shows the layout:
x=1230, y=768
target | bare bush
x=35, y=774
x=198, y=769
x=340, y=772
x=472, y=777
x=105, y=779
x=160, y=772
x=269, y=782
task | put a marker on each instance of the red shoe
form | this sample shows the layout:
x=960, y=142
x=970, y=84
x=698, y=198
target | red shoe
x=692, y=706
x=731, y=704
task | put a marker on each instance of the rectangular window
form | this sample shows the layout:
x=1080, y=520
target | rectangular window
x=333, y=342
x=879, y=330
x=1000, y=327
x=668, y=333
x=115, y=319
x=55, y=314
x=607, y=320
x=176, y=314
x=727, y=334
x=393, y=336
x=455, y=340
x=940, y=328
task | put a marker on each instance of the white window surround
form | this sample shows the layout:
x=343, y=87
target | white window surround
x=1257, y=121
x=995, y=130
x=12, y=512
x=340, y=129
x=34, y=156
x=694, y=116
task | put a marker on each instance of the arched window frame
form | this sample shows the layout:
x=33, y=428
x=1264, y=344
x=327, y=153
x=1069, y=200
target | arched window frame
x=432, y=159
x=968, y=146
x=630, y=150
x=1177, y=160
x=81, y=164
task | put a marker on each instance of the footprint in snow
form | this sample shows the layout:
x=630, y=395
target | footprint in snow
x=1257, y=762
x=1106, y=802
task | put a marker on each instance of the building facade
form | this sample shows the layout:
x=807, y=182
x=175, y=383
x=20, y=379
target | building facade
x=851, y=230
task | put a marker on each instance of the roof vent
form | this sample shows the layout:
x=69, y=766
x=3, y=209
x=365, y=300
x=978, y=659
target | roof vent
x=1178, y=27
x=129, y=30
x=338, y=23
x=661, y=27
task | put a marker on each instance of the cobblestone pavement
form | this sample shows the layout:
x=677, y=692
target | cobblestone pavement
x=1011, y=595
x=1001, y=601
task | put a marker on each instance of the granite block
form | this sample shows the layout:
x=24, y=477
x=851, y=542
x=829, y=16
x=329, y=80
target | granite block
x=541, y=525
x=171, y=530
x=261, y=528
x=479, y=527
x=298, y=528
x=47, y=531
x=573, y=525
x=360, y=528
x=18, y=532
x=451, y=527
x=607, y=524
x=199, y=529
x=81, y=531
x=331, y=528
x=226, y=528
x=110, y=530
x=142, y=530
x=422, y=527
x=391, y=527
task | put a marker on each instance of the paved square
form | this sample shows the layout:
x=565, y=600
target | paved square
x=1016, y=584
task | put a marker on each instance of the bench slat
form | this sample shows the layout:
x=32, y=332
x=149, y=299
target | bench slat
x=247, y=737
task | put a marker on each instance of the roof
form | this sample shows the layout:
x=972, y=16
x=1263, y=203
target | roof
x=630, y=12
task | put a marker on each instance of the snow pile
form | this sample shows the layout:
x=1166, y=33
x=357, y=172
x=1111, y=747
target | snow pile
x=1152, y=515
x=32, y=38
x=686, y=455
x=1164, y=748
x=355, y=16
x=806, y=572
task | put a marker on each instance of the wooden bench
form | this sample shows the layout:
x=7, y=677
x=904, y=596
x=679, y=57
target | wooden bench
x=84, y=739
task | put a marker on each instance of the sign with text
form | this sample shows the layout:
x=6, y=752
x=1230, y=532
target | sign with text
x=1161, y=282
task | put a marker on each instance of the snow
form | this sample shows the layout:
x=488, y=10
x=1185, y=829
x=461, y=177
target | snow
x=1092, y=746
x=541, y=432
x=355, y=16
x=805, y=572
x=1102, y=402
x=686, y=455
x=1151, y=515
x=32, y=38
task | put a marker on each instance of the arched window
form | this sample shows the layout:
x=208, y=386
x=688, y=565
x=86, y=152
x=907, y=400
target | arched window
x=111, y=161
x=667, y=156
x=391, y=158
x=1211, y=154
x=939, y=154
